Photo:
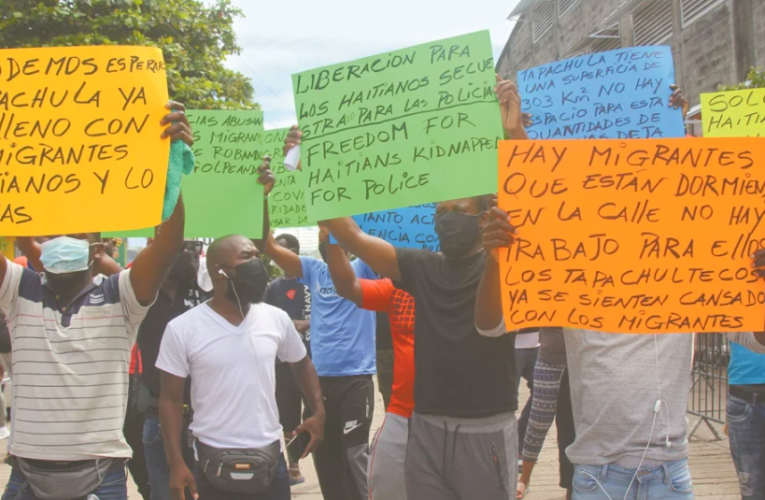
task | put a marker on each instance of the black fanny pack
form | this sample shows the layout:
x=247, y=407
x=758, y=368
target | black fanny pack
x=239, y=470
x=49, y=482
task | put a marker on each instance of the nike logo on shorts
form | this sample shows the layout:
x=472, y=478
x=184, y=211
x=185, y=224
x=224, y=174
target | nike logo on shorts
x=351, y=426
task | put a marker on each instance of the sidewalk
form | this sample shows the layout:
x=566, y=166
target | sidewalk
x=714, y=476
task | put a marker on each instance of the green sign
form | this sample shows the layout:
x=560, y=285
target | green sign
x=222, y=195
x=286, y=204
x=413, y=126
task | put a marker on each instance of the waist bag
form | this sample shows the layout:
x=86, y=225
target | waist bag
x=66, y=483
x=239, y=470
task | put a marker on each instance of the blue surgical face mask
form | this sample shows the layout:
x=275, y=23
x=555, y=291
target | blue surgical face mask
x=65, y=255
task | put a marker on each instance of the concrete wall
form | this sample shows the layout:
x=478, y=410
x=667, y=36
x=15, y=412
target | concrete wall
x=706, y=53
x=717, y=48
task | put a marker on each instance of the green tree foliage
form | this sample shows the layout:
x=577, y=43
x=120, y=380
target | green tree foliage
x=754, y=80
x=195, y=38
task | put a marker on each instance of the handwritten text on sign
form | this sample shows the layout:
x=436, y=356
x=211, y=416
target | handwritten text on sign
x=633, y=236
x=286, y=203
x=384, y=131
x=80, y=128
x=411, y=227
x=608, y=95
x=222, y=194
x=739, y=113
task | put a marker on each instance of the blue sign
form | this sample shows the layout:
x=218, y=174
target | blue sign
x=621, y=94
x=411, y=227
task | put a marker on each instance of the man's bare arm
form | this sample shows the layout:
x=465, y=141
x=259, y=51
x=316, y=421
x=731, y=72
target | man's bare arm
x=306, y=376
x=496, y=235
x=171, y=423
x=375, y=252
x=284, y=258
x=347, y=284
x=153, y=264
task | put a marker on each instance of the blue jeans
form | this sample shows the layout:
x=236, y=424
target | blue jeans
x=114, y=486
x=156, y=462
x=279, y=490
x=746, y=429
x=670, y=481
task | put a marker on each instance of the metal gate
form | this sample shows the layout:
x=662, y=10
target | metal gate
x=709, y=392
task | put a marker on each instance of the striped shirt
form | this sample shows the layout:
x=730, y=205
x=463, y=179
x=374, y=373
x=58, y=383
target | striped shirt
x=70, y=365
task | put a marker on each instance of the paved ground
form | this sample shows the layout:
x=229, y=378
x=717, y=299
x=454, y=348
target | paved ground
x=713, y=474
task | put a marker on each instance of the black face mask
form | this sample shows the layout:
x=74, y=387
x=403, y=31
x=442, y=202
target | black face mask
x=249, y=284
x=457, y=232
x=62, y=284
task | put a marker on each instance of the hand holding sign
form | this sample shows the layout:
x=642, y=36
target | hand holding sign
x=265, y=176
x=498, y=233
x=758, y=263
x=292, y=140
x=178, y=127
x=510, y=106
x=286, y=205
x=678, y=100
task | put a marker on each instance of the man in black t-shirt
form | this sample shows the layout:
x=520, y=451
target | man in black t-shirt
x=463, y=435
x=293, y=297
x=178, y=294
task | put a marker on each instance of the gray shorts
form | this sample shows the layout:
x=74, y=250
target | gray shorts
x=462, y=459
x=387, y=459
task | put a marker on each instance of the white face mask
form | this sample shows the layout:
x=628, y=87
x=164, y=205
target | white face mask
x=65, y=255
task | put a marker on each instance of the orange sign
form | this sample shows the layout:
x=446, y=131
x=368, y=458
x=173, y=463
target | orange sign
x=634, y=236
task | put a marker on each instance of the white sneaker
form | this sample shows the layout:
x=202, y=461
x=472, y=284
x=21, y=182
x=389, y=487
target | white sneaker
x=4, y=433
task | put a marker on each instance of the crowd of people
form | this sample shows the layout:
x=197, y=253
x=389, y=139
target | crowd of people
x=208, y=383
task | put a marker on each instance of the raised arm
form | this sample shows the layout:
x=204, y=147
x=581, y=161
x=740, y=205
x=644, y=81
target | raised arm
x=347, y=284
x=377, y=253
x=284, y=258
x=153, y=264
x=497, y=234
x=32, y=251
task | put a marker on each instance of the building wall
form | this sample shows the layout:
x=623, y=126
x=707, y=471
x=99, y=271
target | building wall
x=716, y=48
x=706, y=52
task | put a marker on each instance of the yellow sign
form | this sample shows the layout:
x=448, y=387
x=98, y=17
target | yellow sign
x=634, y=236
x=80, y=135
x=739, y=113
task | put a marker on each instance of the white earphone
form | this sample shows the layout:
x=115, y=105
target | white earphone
x=221, y=271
